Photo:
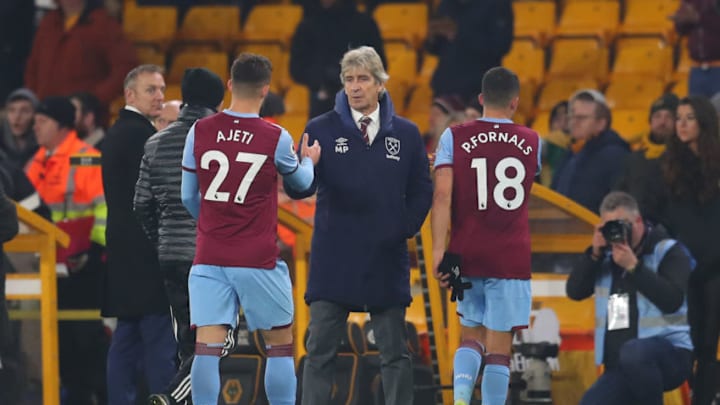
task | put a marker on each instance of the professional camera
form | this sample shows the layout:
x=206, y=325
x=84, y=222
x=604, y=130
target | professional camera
x=617, y=231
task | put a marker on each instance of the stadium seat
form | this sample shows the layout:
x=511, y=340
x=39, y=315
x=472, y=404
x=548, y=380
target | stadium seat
x=243, y=370
x=630, y=124
x=527, y=60
x=541, y=123
x=173, y=92
x=647, y=59
x=398, y=90
x=401, y=63
x=297, y=100
x=578, y=58
x=649, y=18
x=534, y=20
x=279, y=59
x=561, y=89
x=294, y=124
x=680, y=88
x=274, y=23
x=429, y=63
x=633, y=92
x=599, y=19
x=420, y=100
x=402, y=22
x=216, y=25
x=214, y=61
x=684, y=62
x=154, y=26
x=148, y=54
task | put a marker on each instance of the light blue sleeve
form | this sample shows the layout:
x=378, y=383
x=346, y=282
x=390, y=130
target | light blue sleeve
x=444, y=152
x=539, y=157
x=299, y=175
x=189, y=188
x=188, y=160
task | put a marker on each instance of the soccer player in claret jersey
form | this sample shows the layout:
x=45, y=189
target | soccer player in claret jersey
x=484, y=170
x=230, y=167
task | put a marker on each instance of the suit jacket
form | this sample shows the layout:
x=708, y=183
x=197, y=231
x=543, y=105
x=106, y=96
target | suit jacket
x=133, y=284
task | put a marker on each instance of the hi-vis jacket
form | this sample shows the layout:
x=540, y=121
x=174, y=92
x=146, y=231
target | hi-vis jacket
x=652, y=322
x=71, y=191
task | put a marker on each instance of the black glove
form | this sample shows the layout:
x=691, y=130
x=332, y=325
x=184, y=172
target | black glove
x=450, y=265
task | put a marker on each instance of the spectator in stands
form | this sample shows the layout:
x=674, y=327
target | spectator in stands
x=691, y=170
x=79, y=47
x=17, y=139
x=87, y=113
x=272, y=107
x=17, y=25
x=76, y=199
x=639, y=278
x=469, y=37
x=319, y=42
x=444, y=111
x=700, y=21
x=168, y=114
x=8, y=230
x=134, y=290
x=556, y=142
x=474, y=110
x=593, y=164
x=642, y=176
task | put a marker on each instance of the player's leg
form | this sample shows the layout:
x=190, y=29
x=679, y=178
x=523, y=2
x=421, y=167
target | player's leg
x=266, y=298
x=508, y=303
x=469, y=356
x=395, y=365
x=213, y=308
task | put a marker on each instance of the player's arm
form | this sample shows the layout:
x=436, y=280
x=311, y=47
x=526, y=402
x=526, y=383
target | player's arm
x=442, y=197
x=296, y=193
x=189, y=189
x=297, y=174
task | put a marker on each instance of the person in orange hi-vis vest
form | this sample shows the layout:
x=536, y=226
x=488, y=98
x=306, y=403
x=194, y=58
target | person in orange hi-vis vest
x=66, y=174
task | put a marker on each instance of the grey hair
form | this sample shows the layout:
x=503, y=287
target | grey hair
x=364, y=57
x=619, y=199
x=132, y=76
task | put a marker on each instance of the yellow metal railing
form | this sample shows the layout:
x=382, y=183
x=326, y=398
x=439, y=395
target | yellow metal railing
x=41, y=238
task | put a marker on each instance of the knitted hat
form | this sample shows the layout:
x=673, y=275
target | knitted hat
x=202, y=87
x=23, y=94
x=58, y=108
x=667, y=101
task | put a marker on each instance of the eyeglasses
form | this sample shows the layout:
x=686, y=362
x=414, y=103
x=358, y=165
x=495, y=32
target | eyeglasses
x=580, y=117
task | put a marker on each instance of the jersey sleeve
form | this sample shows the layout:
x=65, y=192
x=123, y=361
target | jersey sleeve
x=188, y=160
x=298, y=175
x=539, y=157
x=444, y=152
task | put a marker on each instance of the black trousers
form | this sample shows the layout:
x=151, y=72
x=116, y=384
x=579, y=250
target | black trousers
x=176, y=286
x=704, y=319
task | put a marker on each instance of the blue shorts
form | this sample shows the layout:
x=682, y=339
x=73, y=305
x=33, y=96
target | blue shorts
x=216, y=293
x=499, y=304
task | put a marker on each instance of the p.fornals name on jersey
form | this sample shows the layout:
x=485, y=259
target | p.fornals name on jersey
x=492, y=136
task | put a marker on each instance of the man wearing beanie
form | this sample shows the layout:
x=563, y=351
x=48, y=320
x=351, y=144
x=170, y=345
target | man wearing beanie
x=642, y=175
x=134, y=291
x=77, y=203
x=166, y=221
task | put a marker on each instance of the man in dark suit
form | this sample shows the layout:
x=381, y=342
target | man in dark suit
x=134, y=291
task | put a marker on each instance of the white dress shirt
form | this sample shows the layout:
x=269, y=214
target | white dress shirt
x=374, y=125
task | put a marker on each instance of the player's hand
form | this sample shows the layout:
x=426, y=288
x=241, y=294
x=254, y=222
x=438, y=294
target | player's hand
x=310, y=151
x=450, y=268
x=598, y=241
x=441, y=277
x=624, y=256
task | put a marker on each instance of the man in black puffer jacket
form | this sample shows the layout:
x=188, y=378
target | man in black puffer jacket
x=166, y=221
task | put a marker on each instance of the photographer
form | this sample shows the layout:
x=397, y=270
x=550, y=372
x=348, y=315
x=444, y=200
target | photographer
x=639, y=277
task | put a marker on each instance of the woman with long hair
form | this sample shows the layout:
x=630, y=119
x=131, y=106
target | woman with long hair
x=691, y=170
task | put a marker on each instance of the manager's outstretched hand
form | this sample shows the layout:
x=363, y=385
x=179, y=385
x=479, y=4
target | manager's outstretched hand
x=311, y=151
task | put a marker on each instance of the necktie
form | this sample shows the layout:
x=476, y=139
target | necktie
x=364, y=122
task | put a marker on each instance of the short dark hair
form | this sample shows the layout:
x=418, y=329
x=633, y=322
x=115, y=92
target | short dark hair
x=132, y=76
x=249, y=73
x=499, y=86
x=88, y=103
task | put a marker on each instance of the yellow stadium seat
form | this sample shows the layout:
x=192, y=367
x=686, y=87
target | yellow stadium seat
x=527, y=61
x=403, y=22
x=297, y=100
x=420, y=100
x=294, y=124
x=148, y=54
x=528, y=89
x=401, y=63
x=649, y=17
x=272, y=23
x=150, y=25
x=541, y=123
x=633, y=92
x=650, y=59
x=630, y=124
x=681, y=87
x=558, y=90
x=217, y=25
x=214, y=61
x=279, y=59
x=398, y=91
x=429, y=63
x=420, y=119
x=579, y=58
x=173, y=92
x=685, y=62
x=534, y=20
x=590, y=18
